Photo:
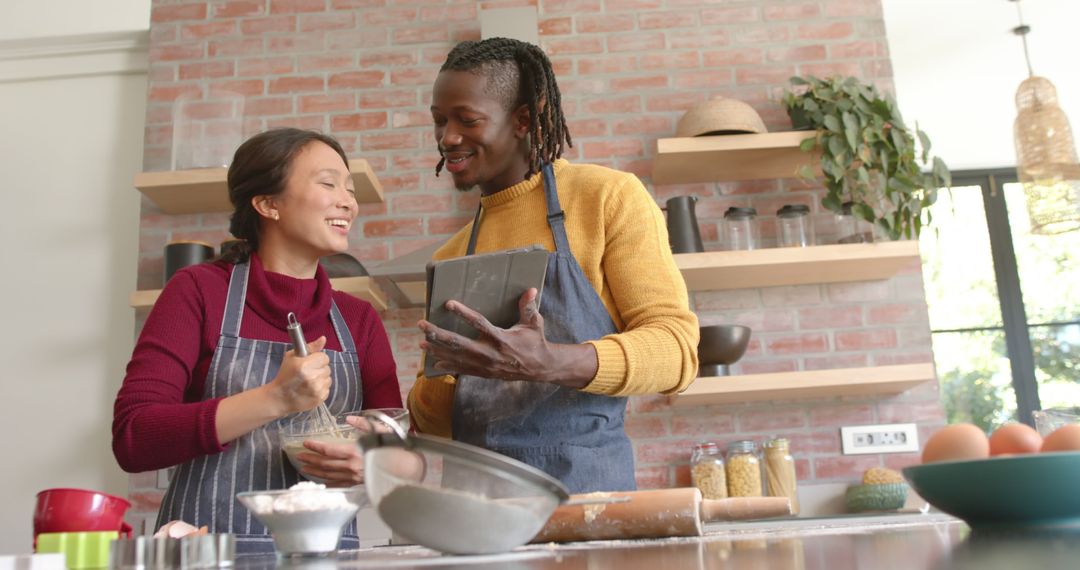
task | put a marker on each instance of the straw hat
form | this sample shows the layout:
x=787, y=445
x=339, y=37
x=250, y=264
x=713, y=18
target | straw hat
x=720, y=116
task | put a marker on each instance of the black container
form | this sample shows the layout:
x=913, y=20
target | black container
x=683, y=232
x=180, y=254
x=719, y=347
x=229, y=244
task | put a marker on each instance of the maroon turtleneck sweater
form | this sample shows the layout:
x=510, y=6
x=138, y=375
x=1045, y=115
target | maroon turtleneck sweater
x=160, y=418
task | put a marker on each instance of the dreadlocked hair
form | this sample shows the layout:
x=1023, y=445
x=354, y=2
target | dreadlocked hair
x=520, y=73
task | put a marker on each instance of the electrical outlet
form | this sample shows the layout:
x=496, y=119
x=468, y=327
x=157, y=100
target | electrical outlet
x=885, y=438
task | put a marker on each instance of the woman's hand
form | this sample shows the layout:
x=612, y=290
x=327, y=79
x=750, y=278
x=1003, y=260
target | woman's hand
x=518, y=353
x=339, y=464
x=302, y=382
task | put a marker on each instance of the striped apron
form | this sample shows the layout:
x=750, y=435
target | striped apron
x=203, y=491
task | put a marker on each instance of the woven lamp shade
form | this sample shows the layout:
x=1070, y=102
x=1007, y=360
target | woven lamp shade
x=719, y=116
x=1046, y=158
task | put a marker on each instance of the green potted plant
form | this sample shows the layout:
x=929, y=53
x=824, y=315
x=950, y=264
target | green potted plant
x=869, y=157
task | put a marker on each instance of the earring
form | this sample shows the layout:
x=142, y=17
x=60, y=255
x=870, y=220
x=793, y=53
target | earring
x=275, y=215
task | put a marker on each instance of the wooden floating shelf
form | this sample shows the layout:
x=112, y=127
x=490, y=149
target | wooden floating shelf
x=205, y=189
x=360, y=287
x=879, y=380
x=731, y=157
x=719, y=270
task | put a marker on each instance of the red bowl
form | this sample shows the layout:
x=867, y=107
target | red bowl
x=79, y=510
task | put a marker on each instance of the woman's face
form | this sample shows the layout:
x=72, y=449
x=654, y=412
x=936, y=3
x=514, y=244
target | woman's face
x=482, y=141
x=318, y=205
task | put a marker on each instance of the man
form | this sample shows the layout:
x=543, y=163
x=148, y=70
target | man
x=614, y=318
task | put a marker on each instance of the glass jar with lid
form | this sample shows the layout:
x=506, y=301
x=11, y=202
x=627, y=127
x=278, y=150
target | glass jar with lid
x=743, y=469
x=780, y=479
x=850, y=228
x=793, y=226
x=741, y=229
x=707, y=470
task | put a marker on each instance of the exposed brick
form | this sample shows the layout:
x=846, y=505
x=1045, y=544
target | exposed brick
x=615, y=147
x=834, y=361
x=824, y=31
x=389, y=16
x=760, y=34
x=641, y=427
x=709, y=426
x=673, y=101
x=263, y=66
x=326, y=103
x=557, y=46
x=177, y=12
x=424, y=76
x=842, y=415
x=206, y=70
x=664, y=452
x=889, y=358
x=556, y=26
x=667, y=20
x=771, y=419
x=452, y=13
x=896, y=313
x=711, y=78
x=404, y=227
x=858, y=292
x=331, y=21
x=296, y=84
x=606, y=64
x=571, y=6
x=796, y=344
x=402, y=119
x=266, y=106
x=583, y=128
x=844, y=467
x=732, y=299
x=862, y=49
x=207, y=30
x=271, y=24
x=608, y=105
x=653, y=478
x=866, y=340
x=239, y=8
x=769, y=75
x=700, y=39
x=638, y=41
x=403, y=183
x=421, y=34
x=676, y=60
x=356, y=80
x=164, y=93
x=176, y=52
x=296, y=6
x=329, y=62
x=646, y=124
x=852, y=9
x=797, y=54
x=298, y=43
x=830, y=317
x=421, y=204
x=605, y=23
x=389, y=141
x=829, y=69
x=388, y=58
x=384, y=98
x=310, y=122
x=736, y=56
x=446, y=225
x=358, y=122
x=732, y=15
x=639, y=82
x=362, y=39
x=226, y=48
x=802, y=11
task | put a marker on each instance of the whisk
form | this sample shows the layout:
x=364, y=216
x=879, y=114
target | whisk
x=319, y=415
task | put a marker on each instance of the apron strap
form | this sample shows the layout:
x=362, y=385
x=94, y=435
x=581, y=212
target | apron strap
x=342, y=330
x=475, y=231
x=234, y=302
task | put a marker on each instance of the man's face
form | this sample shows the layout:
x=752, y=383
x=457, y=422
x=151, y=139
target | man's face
x=481, y=140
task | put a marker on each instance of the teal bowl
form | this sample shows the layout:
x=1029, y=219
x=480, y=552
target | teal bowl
x=1037, y=490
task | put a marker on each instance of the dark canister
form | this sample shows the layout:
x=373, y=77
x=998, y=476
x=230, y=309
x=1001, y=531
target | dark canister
x=180, y=254
x=229, y=245
x=683, y=232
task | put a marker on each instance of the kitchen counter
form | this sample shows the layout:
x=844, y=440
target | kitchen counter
x=907, y=542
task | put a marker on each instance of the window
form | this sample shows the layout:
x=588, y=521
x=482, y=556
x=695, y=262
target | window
x=1004, y=307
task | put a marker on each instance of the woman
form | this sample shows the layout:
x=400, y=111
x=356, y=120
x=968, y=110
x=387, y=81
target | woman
x=614, y=318
x=213, y=373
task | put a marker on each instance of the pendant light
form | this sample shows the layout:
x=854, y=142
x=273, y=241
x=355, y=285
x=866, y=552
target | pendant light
x=1046, y=160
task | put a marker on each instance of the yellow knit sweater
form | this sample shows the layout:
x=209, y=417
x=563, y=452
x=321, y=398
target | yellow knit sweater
x=618, y=236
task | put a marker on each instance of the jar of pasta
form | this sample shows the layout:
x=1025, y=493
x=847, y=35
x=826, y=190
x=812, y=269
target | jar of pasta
x=743, y=469
x=707, y=470
x=780, y=478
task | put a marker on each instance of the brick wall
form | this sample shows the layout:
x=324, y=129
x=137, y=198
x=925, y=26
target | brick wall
x=362, y=70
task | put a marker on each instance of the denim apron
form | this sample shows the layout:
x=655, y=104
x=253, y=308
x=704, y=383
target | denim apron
x=203, y=490
x=572, y=435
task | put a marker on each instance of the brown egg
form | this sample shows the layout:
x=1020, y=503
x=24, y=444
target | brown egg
x=957, y=442
x=1065, y=438
x=1015, y=439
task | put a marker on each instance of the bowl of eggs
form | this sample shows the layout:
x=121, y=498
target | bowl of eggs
x=1014, y=478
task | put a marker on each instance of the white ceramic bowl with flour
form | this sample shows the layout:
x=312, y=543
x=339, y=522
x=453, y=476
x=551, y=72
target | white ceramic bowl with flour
x=453, y=497
x=306, y=519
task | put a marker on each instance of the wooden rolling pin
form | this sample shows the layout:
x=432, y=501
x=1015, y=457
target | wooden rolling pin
x=654, y=514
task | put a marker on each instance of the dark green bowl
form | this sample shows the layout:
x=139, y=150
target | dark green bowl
x=1018, y=491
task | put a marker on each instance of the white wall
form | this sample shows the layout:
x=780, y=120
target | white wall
x=69, y=242
x=45, y=18
x=957, y=66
